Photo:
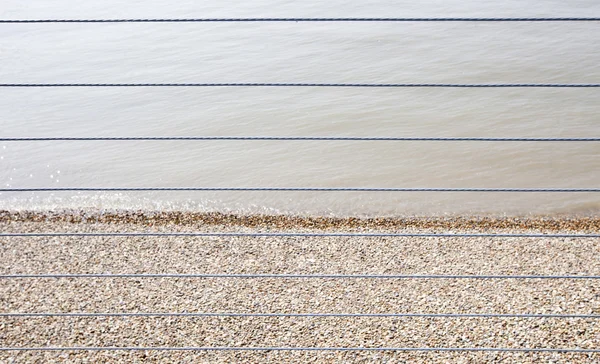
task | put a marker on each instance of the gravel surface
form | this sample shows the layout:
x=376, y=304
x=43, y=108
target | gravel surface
x=297, y=255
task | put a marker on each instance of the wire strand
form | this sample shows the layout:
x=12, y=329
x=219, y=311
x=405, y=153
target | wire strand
x=298, y=19
x=279, y=234
x=368, y=85
x=300, y=138
x=293, y=276
x=308, y=315
x=298, y=189
x=276, y=348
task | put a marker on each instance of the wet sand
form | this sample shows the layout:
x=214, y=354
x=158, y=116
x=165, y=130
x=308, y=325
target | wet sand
x=298, y=255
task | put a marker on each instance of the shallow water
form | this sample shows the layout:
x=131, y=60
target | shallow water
x=301, y=52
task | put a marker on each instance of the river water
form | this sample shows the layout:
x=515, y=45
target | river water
x=565, y=52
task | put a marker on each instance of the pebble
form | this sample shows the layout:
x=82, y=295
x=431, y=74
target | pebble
x=297, y=255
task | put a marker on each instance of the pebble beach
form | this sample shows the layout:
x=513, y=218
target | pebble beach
x=297, y=255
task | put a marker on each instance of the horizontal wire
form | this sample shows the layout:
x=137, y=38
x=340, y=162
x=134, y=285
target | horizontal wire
x=371, y=85
x=275, y=138
x=279, y=348
x=277, y=234
x=307, y=189
x=228, y=20
x=367, y=315
x=293, y=276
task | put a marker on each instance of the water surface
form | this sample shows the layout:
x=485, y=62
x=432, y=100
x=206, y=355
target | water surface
x=565, y=52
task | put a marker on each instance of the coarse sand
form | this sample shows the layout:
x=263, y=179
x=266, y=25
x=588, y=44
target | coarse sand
x=297, y=255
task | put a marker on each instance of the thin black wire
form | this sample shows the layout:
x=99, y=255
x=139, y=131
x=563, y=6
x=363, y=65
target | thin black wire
x=278, y=234
x=307, y=315
x=305, y=189
x=230, y=20
x=262, y=84
x=280, y=138
x=230, y=348
x=293, y=276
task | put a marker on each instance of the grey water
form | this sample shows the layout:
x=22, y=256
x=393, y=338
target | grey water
x=456, y=52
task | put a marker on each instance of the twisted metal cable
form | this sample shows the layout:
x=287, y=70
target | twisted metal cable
x=369, y=85
x=276, y=348
x=307, y=315
x=294, y=138
x=298, y=189
x=292, y=276
x=298, y=19
x=279, y=234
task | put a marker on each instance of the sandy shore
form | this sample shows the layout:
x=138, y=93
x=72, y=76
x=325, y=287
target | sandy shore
x=298, y=255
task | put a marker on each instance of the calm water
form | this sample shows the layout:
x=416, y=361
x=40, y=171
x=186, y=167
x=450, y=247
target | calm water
x=301, y=52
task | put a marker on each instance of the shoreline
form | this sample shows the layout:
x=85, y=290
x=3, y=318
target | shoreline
x=155, y=218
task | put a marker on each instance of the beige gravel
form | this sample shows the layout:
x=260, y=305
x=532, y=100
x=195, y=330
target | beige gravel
x=302, y=256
